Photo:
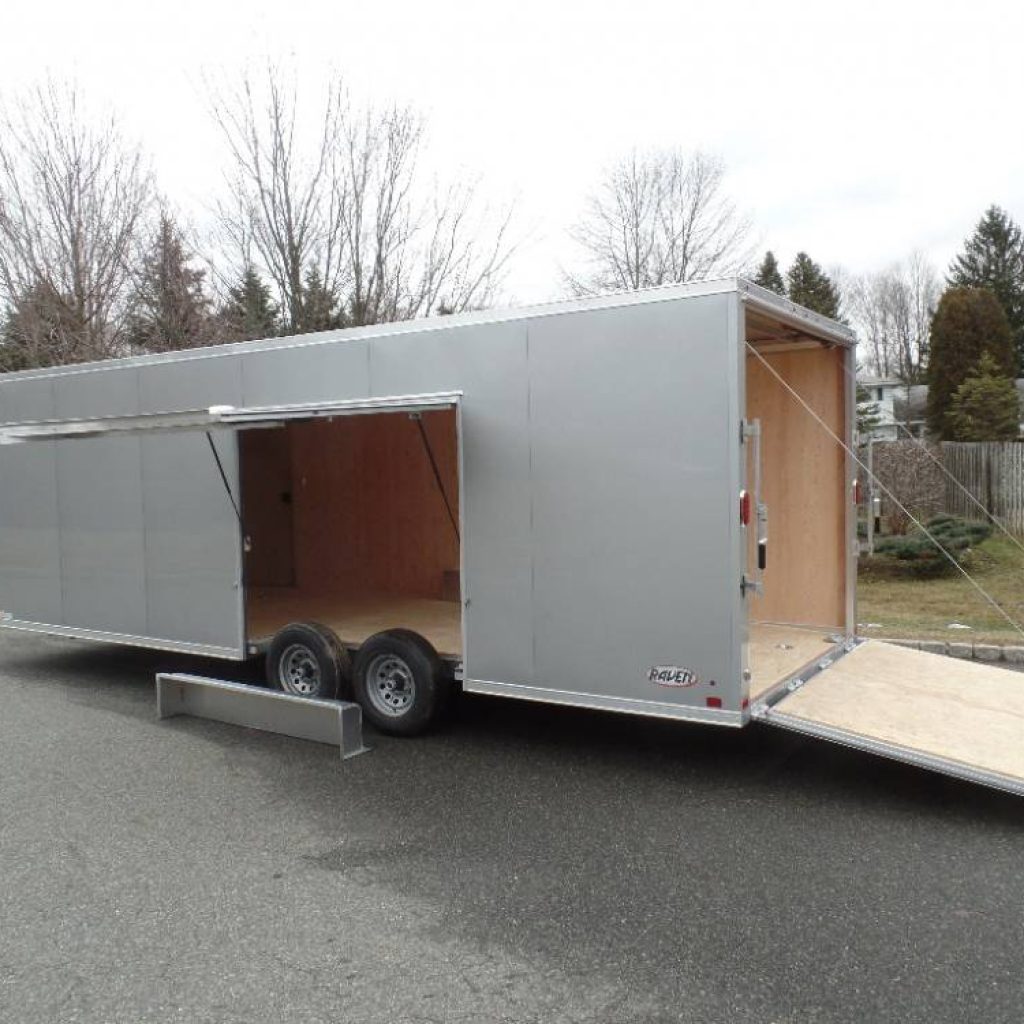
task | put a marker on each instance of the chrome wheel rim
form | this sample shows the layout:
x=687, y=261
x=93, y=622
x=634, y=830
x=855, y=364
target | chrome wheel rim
x=299, y=672
x=390, y=685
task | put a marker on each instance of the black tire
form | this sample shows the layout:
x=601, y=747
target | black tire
x=399, y=682
x=306, y=659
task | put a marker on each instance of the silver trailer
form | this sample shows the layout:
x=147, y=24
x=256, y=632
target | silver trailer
x=567, y=503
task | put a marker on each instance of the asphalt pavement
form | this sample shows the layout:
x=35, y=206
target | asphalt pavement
x=525, y=863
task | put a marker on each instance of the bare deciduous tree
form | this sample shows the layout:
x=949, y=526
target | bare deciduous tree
x=341, y=200
x=73, y=196
x=282, y=195
x=659, y=218
x=892, y=311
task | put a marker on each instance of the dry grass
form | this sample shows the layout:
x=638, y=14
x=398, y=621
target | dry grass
x=893, y=604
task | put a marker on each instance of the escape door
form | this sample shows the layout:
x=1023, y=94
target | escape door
x=962, y=718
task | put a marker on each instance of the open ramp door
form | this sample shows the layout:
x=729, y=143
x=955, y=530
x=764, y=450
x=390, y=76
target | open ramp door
x=958, y=717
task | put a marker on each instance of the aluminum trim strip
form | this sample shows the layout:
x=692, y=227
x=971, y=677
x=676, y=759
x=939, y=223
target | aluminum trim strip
x=781, y=308
x=806, y=671
x=220, y=416
x=651, y=709
x=57, y=430
x=124, y=639
x=907, y=755
x=351, y=406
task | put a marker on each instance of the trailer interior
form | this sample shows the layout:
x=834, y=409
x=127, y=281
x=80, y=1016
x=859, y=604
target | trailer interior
x=352, y=521
x=802, y=612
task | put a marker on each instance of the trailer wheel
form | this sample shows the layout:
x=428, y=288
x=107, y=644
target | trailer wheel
x=399, y=682
x=307, y=660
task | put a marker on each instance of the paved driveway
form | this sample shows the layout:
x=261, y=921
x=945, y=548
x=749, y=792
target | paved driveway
x=526, y=864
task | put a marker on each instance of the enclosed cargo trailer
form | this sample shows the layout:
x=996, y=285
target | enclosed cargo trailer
x=566, y=503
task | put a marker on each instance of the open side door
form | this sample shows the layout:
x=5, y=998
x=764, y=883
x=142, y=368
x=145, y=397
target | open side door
x=961, y=718
x=154, y=532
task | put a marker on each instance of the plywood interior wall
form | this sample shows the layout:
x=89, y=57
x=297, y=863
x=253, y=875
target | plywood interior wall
x=366, y=513
x=266, y=472
x=803, y=485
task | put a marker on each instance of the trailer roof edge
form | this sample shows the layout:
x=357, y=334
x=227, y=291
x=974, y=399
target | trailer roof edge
x=806, y=320
x=767, y=302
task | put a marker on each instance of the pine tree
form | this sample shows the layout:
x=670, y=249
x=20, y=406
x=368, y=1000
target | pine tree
x=986, y=406
x=993, y=258
x=249, y=311
x=869, y=415
x=169, y=306
x=320, y=310
x=769, y=276
x=810, y=286
x=14, y=350
x=41, y=328
x=968, y=323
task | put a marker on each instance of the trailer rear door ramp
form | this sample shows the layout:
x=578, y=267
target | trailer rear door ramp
x=962, y=718
x=339, y=723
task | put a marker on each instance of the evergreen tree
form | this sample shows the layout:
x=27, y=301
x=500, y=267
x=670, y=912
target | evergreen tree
x=169, y=306
x=41, y=328
x=249, y=311
x=968, y=323
x=986, y=406
x=769, y=276
x=320, y=307
x=810, y=286
x=868, y=414
x=993, y=258
x=14, y=352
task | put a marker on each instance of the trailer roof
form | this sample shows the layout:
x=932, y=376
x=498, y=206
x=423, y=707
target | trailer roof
x=769, y=306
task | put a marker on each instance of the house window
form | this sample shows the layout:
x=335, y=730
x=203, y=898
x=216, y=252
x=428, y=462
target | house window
x=881, y=394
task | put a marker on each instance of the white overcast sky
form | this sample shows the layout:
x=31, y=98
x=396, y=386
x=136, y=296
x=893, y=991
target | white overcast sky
x=855, y=130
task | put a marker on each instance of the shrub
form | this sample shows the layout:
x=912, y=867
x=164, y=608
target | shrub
x=919, y=553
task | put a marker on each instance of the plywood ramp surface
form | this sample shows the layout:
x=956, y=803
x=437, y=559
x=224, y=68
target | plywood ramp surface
x=355, y=619
x=963, y=711
x=778, y=652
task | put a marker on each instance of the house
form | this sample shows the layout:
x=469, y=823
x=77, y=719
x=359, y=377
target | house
x=902, y=408
x=911, y=403
x=883, y=393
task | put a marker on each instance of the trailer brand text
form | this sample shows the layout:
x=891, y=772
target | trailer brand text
x=672, y=675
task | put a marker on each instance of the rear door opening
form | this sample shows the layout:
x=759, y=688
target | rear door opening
x=803, y=608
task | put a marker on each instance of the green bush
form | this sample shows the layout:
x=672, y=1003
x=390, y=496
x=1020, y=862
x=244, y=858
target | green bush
x=920, y=554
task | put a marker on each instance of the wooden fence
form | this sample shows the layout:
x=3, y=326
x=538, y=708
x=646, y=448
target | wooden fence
x=993, y=471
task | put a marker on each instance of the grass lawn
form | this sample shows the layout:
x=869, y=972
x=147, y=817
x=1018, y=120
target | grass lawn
x=892, y=603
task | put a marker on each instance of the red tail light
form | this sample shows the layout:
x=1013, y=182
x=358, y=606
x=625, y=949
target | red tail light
x=714, y=702
x=744, y=508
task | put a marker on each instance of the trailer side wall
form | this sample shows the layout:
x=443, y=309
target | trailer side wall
x=600, y=475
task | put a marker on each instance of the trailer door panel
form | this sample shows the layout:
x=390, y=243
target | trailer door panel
x=958, y=717
x=142, y=543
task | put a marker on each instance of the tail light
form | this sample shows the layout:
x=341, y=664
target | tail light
x=745, y=508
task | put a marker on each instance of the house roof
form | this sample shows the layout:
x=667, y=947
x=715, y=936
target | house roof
x=911, y=402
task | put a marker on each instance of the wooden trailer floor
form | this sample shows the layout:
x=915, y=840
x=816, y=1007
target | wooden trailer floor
x=355, y=619
x=778, y=651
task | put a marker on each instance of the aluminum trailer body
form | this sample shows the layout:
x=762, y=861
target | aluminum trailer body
x=603, y=449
